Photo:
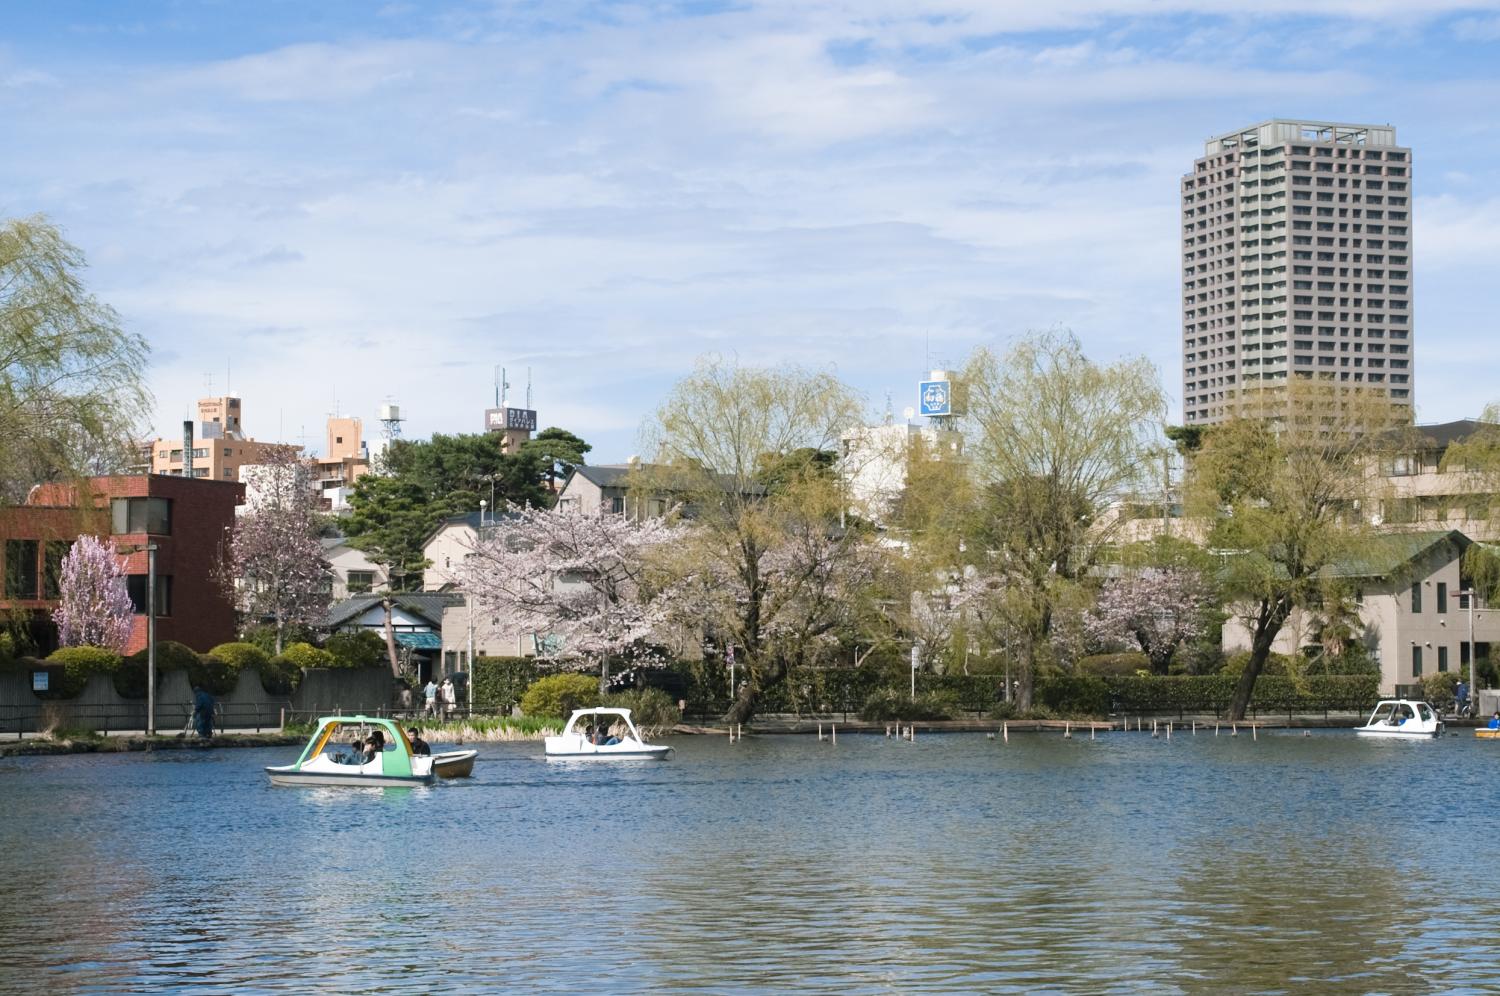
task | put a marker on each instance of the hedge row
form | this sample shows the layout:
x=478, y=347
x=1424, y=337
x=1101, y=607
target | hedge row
x=218, y=670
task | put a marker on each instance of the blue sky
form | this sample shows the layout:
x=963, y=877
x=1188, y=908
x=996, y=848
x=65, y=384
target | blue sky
x=351, y=201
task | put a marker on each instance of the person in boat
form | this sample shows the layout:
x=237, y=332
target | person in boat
x=1398, y=715
x=419, y=747
x=1495, y=720
x=602, y=736
x=374, y=746
x=354, y=755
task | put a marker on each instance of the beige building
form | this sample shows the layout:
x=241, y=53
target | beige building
x=345, y=460
x=1296, y=262
x=1412, y=606
x=219, y=447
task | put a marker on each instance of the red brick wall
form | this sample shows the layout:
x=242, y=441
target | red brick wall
x=202, y=512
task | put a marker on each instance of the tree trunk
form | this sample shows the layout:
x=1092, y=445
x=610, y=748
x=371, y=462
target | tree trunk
x=604, y=673
x=280, y=629
x=1268, y=623
x=1026, y=671
x=742, y=708
x=390, y=639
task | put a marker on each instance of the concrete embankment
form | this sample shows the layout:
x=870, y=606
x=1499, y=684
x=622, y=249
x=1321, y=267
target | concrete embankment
x=116, y=745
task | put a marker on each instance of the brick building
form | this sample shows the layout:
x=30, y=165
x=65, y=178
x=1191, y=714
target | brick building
x=187, y=520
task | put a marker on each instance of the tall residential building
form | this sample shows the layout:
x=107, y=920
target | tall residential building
x=219, y=447
x=1296, y=262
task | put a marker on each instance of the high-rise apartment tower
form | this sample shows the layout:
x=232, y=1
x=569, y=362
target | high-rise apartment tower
x=1296, y=262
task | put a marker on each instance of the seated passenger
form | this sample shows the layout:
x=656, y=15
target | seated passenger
x=374, y=745
x=1495, y=720
x=355, y=754
x=419, y=747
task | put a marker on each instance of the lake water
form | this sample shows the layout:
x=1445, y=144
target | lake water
x=953, y=864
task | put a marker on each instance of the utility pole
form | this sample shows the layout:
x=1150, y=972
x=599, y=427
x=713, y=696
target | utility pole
x=150, y=639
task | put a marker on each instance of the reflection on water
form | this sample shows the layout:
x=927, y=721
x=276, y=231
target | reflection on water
x=953, y=864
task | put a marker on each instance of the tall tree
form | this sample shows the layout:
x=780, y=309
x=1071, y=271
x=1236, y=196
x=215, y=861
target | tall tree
x=1055, y=439
x=773, y=573
x=71, y=390
x=94, y=608
x=1287, y=484
x=274, y=565
x=584, y=579
x=558, y=451
x=423, y=482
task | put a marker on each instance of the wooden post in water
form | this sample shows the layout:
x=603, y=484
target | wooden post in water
x=1005, y=732
x=833, y=735
x=1234, y=729
x=1091, y=731
x=820, y=733
x=1254, y=731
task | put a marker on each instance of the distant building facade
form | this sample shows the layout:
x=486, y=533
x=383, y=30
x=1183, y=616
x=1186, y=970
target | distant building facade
x=218, y=447
x=1296, y=262
x=188, y=521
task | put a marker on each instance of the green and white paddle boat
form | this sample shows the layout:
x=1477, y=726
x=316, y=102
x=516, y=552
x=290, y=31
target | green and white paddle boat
x=327, y=760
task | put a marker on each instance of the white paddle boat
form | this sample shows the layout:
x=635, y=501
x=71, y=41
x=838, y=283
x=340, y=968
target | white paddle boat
x=603, y=733
x=1402, y=719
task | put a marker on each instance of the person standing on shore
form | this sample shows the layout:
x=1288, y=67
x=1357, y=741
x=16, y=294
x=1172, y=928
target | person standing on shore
x=203, y=712
x=449, y=697
x=430, y=690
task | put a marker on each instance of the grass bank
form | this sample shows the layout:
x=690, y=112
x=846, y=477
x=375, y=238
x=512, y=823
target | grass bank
x=84, y=743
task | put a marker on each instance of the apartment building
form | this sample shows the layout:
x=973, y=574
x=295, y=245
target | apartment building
x=218, y=447
x=1296, y=262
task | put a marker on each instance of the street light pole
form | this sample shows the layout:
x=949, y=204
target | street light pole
x=150, y=639
x=1473, y=688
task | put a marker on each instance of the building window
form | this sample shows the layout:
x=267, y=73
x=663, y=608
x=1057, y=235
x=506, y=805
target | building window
x=228, y=452
x=1442, y=599
x=617, y=505
x=1416, y=662
x=361, y=582
x=141, y=515
x=1416, y=596
x=135, y=584
x=1442, y=658
x=57, y=550
x=20, y=568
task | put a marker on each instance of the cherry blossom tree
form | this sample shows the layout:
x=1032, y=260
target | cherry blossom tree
x=1153, y=610
x=94, y=609
x=585, y=580
x=273, y=565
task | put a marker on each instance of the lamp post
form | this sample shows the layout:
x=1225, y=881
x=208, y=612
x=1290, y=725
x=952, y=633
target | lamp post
x=1469, y=596
x=150, y=639
x=916, y=659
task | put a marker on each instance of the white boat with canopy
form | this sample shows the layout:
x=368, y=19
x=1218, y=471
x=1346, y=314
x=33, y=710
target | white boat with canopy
x=1402, y=719
x=604, y=734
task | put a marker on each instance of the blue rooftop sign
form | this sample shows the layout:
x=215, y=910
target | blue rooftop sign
x=935, y=398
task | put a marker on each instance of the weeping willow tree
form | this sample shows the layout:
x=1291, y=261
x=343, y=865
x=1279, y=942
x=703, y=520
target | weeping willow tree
x=1055, y=439
x=71, y=390
x=768, y=564
x=1286, y=486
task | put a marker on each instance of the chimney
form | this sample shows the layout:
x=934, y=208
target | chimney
x=187, y=449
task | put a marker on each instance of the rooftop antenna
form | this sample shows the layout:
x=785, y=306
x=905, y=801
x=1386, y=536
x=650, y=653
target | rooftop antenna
x=890, y=411
x=528, y=388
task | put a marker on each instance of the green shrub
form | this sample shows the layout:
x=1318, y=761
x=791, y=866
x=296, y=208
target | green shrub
x=1077, y=695
x=279, y=676
x=550, y=695
x=240, y=655
x=305, y=655
x=651, y=708
x=217, y=676
x=72, y=666
x=264, y=636
x=1112, y=665
x=886, y=704
x=356, y=648
x=1277, y=664
x=499, y=682
x=1440, y=689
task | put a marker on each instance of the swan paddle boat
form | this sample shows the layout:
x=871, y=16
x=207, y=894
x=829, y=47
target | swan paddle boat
x=574, y=741
x=327, y=760
x=1402, y=719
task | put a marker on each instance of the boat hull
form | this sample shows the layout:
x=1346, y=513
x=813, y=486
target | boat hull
x=289, y=776
x=605, y=752
x=1487, y=734
x=454, y=763
x=1397, y=734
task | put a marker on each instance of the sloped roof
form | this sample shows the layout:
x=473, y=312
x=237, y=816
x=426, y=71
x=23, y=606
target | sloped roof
x=1387, y=553
x=429, y=605
x=617, y=476
x=1440, y=435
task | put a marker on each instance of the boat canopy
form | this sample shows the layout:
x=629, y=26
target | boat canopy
x=395, y=762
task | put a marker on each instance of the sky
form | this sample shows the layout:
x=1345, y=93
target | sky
x=326, y=206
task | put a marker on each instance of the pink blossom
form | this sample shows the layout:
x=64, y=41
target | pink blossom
x=94, y=609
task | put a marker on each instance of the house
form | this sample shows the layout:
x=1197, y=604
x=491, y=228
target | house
x=1414, y=609
x=445, y=549
x=187, y=520
x=416, y=623
x=351, y=570
x=1419, y=492
x=632, y=487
